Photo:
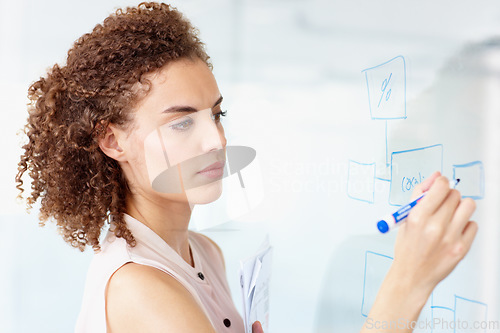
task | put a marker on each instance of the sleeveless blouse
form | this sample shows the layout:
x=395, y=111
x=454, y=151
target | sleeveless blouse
x=206, y=281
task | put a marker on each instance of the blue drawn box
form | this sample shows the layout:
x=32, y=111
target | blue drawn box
x=469, y=311
x=461, y=318
x=471, y=177
x=442, y=320
x=376, y=267
x=409, y=168
x=386, y=88
x=361, y=181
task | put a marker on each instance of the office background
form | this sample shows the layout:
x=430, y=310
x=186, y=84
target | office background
x=295, y=76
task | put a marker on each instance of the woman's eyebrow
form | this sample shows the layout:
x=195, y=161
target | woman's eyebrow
x=217, y=102
x=185, y=108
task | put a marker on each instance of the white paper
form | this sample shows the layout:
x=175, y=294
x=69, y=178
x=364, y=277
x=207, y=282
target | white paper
x=255, y=274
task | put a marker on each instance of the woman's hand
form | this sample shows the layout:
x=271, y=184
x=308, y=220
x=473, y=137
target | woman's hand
x=257, y=327
x=430, y=243
x=436, y=235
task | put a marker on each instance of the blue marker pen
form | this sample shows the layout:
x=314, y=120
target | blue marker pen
x=391, y=221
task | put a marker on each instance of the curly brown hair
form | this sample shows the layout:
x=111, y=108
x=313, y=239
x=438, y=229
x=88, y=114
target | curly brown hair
x=79, y=186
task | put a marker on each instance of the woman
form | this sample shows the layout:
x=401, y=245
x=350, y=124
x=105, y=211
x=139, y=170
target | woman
x=129, y=132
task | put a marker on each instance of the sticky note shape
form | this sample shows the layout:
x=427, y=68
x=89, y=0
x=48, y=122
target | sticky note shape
x=468, y=313
x=361, y=181
x=386, y=89
x=409, y=168
x=471, y=177
x=376, y=267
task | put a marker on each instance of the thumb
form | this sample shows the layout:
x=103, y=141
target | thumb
x=257, y=327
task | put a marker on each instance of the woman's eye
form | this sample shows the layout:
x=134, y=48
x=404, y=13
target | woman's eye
x=187, y=123
x=216, y=116
x=183, y=125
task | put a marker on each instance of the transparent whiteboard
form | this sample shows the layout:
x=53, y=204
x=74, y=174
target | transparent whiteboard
x=348, y=105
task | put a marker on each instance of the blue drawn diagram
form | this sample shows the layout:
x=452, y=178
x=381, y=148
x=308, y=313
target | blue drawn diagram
x=363, y=188
x=386, y=90
x=471, y=177
x=409, y=168
x=464, y=310
x=386, y=87
x=376, y=267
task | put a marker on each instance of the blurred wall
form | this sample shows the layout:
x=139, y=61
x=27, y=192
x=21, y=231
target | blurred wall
x=291, y=76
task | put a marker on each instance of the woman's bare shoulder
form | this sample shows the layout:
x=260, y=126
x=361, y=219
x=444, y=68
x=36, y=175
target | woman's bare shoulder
x=211, y=241
x=141, y=298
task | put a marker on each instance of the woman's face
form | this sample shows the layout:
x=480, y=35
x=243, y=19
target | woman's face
x=177, y=132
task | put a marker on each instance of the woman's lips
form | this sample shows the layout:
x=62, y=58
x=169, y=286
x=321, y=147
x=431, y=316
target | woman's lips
x=215, y=170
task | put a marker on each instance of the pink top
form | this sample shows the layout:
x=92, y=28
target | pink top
x=210, y=288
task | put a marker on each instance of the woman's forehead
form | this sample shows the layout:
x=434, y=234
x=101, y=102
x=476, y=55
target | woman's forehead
x=182, y=83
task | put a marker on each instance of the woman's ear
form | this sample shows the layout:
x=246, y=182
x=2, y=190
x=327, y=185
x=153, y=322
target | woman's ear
x=110, y=144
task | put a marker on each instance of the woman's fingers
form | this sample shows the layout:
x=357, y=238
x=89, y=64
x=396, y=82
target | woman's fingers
x=446, y=212
x=461, y=217
x=437, y=235
x=435, y=196
x=425, y=185
x=468, y=236
x=257, y=327
x=432, y=202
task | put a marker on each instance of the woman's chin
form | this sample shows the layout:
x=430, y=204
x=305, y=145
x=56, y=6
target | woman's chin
x=205, y=194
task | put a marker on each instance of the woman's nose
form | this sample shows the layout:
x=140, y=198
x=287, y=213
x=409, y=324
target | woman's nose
x=212, y=134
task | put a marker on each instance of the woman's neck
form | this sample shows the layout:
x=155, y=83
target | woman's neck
x=168, y=219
